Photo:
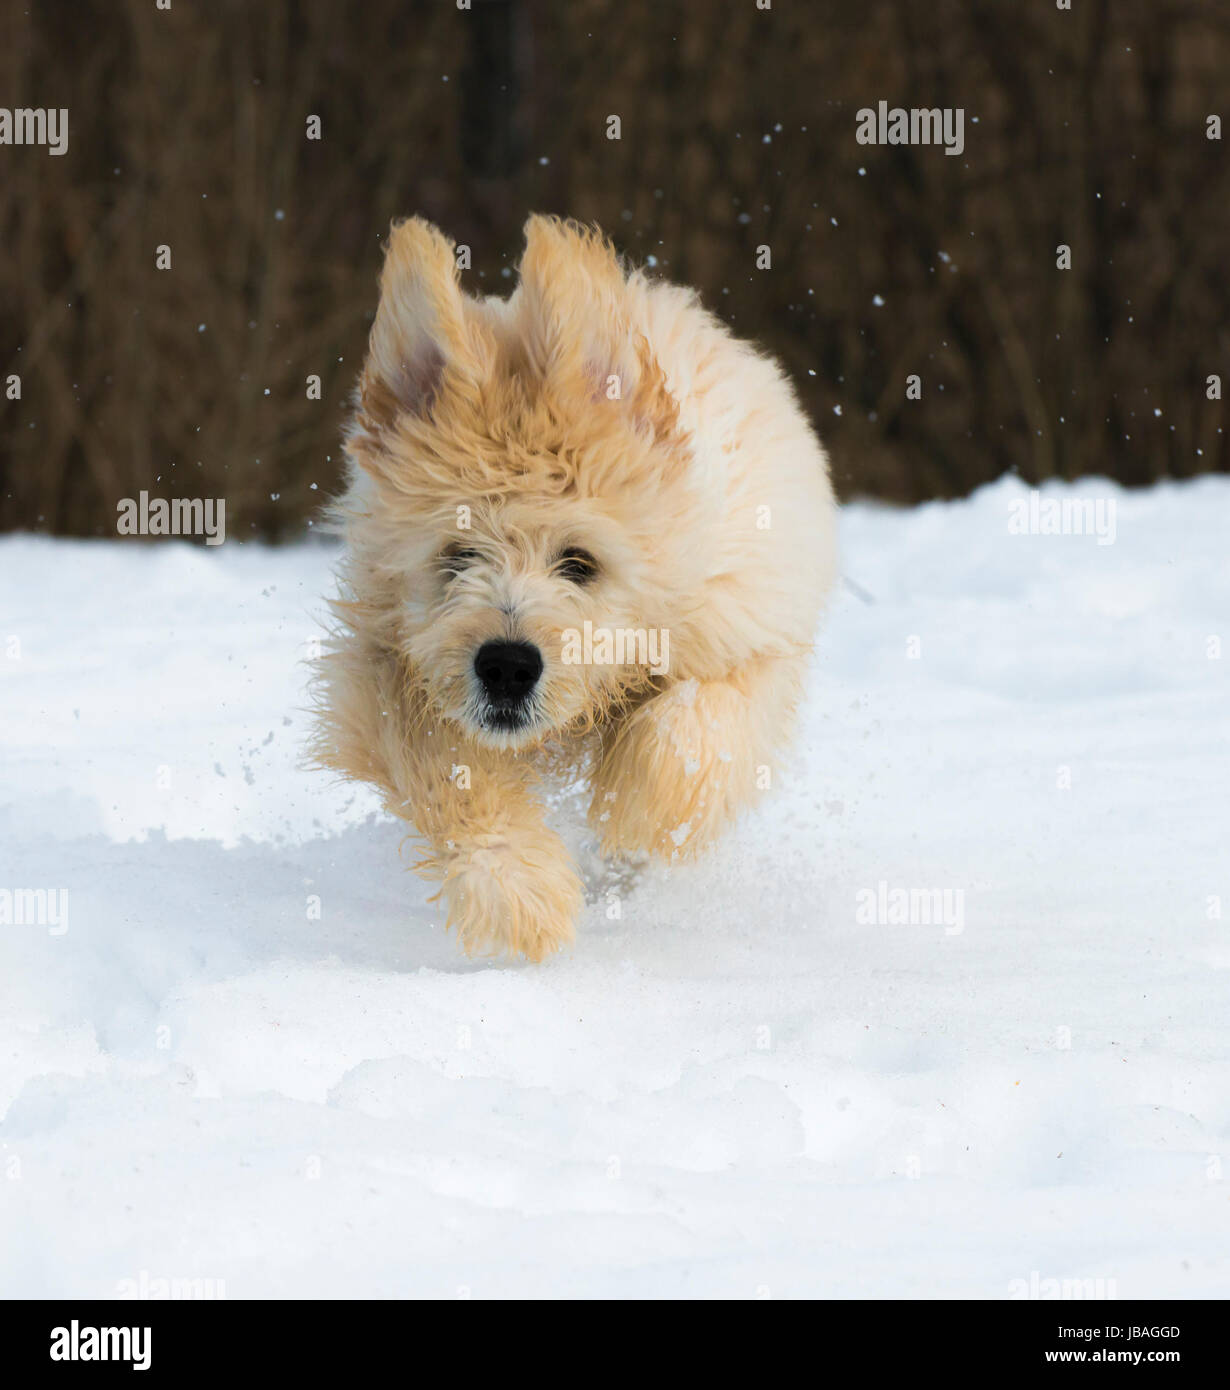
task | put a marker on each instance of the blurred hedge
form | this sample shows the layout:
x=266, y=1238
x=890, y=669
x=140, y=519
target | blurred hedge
x=188, y=128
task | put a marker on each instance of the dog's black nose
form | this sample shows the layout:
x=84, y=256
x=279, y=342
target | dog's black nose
x=507, y=671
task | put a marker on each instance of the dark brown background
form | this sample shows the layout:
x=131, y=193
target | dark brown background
x=187, y=127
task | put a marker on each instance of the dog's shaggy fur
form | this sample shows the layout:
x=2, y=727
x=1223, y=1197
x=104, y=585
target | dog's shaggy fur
x=595, y=448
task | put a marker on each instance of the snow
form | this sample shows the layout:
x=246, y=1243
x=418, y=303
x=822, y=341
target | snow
x=740, y=1087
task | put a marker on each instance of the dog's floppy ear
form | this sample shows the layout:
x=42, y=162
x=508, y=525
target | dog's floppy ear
x=421, y=335
x=578, y=326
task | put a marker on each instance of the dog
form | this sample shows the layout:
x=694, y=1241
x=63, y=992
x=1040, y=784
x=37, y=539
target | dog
x=584, y=524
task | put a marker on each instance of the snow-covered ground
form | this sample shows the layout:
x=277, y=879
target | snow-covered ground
x=740, y=1086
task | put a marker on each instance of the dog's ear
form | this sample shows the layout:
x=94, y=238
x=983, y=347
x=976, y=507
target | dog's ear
x=421, y=335
x=579, y=327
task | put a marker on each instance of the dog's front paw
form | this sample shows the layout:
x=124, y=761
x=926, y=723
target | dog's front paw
x=513, y=894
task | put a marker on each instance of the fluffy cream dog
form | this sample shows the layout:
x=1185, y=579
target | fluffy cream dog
x=544, y=490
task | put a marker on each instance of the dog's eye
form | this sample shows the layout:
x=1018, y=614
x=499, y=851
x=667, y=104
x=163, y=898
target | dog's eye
x=457, y=558
x=578, y=566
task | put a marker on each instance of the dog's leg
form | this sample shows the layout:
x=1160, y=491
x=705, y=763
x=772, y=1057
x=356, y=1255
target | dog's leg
x=676, y=771
x=507, y=879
